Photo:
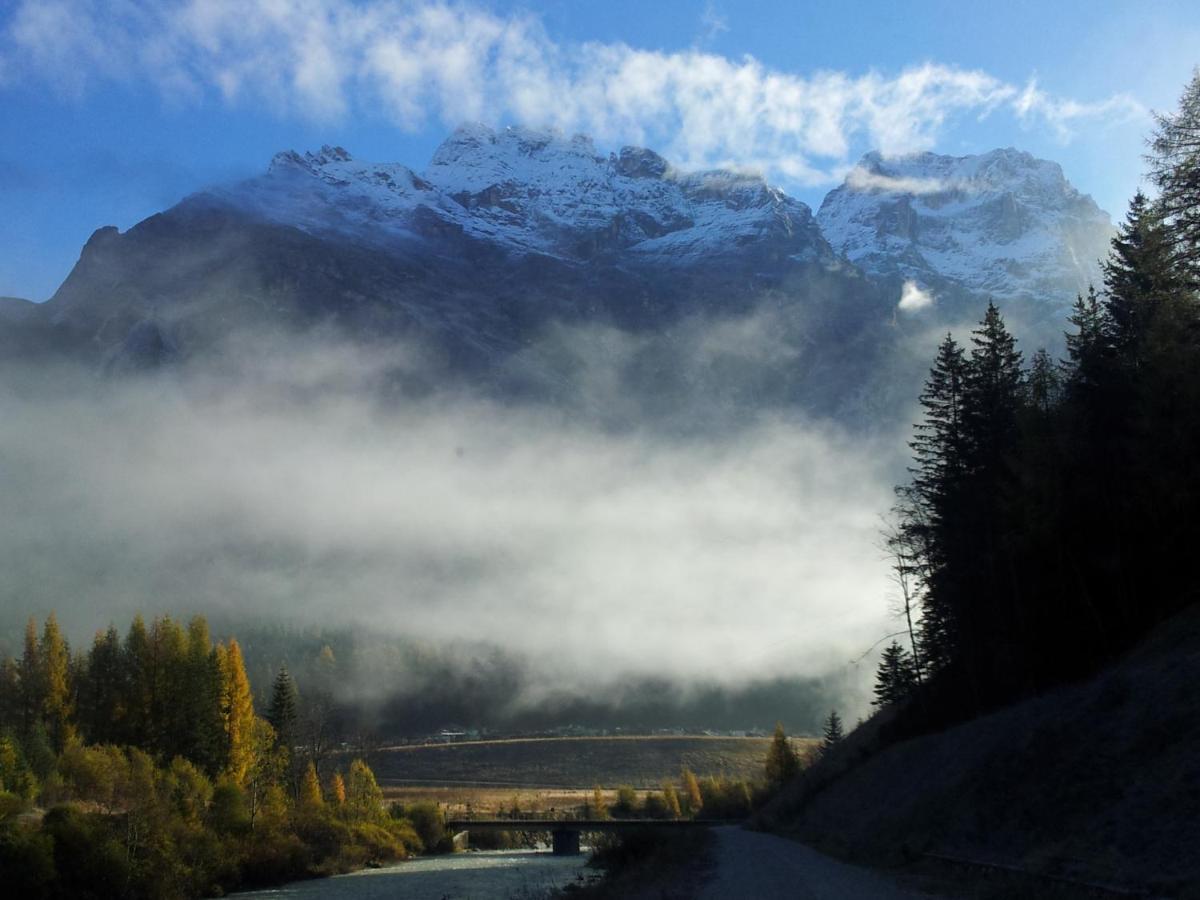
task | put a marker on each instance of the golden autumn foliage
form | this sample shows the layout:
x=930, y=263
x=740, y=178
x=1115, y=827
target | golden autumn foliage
x=237, y=711
x=157, y=776
x=337, y=790
x=310, y=789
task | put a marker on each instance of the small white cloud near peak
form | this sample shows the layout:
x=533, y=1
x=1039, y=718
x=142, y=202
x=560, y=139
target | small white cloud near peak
x=914, y=298
x=861, y=178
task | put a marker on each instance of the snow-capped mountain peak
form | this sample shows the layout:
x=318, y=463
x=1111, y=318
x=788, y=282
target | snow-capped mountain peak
x=533, y=191
x=1001, y=223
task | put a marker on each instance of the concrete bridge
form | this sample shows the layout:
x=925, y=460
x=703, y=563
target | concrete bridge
x=564, y=833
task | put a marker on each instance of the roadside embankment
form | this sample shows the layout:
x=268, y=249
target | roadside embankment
x=1096, y=782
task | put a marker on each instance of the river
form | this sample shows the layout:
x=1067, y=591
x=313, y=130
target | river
x=475, y=875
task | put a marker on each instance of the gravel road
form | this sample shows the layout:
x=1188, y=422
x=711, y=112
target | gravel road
x=762, y=866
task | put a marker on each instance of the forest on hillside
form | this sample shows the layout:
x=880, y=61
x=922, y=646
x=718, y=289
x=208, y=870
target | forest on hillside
x=1054, y=505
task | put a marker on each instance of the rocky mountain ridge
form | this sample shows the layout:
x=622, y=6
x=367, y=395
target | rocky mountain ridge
x=1000, y=224
x=509, y=235
x=533, y=192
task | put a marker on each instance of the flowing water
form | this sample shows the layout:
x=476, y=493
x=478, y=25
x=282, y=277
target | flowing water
x=476, y=875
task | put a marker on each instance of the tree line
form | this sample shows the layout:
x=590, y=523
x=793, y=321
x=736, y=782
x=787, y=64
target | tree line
x=1052, y=507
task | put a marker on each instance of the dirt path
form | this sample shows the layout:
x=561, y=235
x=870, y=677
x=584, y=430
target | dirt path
x=763, y=866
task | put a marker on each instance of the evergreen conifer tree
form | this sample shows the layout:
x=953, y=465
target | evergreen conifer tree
x=932, y=506
x=205, y=726
x=1139, y=278
x=102, y=700
x=992, y=395
x=31, y=681
x=1175, y=169
x=139, y=689
x=896, y=677
x=1043, y=384
x=282, y=712
x=832, y=730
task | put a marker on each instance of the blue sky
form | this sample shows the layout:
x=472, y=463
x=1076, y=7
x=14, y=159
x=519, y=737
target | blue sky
x=111, y=110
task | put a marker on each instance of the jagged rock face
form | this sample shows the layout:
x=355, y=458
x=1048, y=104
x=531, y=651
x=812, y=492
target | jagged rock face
x=531, y=192
x=505, y=238
x=1002, y=224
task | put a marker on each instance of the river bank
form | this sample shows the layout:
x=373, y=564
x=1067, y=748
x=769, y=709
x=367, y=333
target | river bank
x=473, y=875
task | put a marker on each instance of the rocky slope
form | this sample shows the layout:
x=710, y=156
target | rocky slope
x=1097, y=782
x=536, y=193
x=1002, y=224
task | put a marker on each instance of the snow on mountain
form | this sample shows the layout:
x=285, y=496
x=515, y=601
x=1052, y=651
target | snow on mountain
x=533, y=192
x=1001, y=224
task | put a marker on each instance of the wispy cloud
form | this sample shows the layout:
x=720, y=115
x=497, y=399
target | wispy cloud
x=428, y=61
x=712, y=22
x=863, y=179
x=1034, y=105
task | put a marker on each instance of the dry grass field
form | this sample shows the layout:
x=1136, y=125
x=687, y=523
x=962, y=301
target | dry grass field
x=542, y=765
x=480, y=801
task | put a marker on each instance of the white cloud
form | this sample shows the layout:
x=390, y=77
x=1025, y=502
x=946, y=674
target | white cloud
x=414, y=63
x=450, y=518
x=862, y=179
x=913, y=298
x=712, y=22
x=1060, y=113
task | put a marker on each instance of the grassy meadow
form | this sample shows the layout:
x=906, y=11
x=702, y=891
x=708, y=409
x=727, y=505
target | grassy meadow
x=543, y=774
x=540, y=774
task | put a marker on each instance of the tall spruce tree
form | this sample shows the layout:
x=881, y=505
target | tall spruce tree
x=931, y=506
x=102, y=700
x=1089, y=345
x=833, y=732
x=1174, y=160
x=139, y=688
x=1043, y=384
x=282, y=712
x=993, y=393
x=896, y=676
x=170, y=707
x=31, y=681
x=988, y=610
x=1140, y=277
x=204, y=734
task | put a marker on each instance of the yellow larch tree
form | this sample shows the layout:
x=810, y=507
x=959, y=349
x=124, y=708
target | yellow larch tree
x=237, y=712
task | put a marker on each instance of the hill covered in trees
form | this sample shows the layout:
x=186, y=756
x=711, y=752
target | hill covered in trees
x=1052, y=506
x=1048, y=527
